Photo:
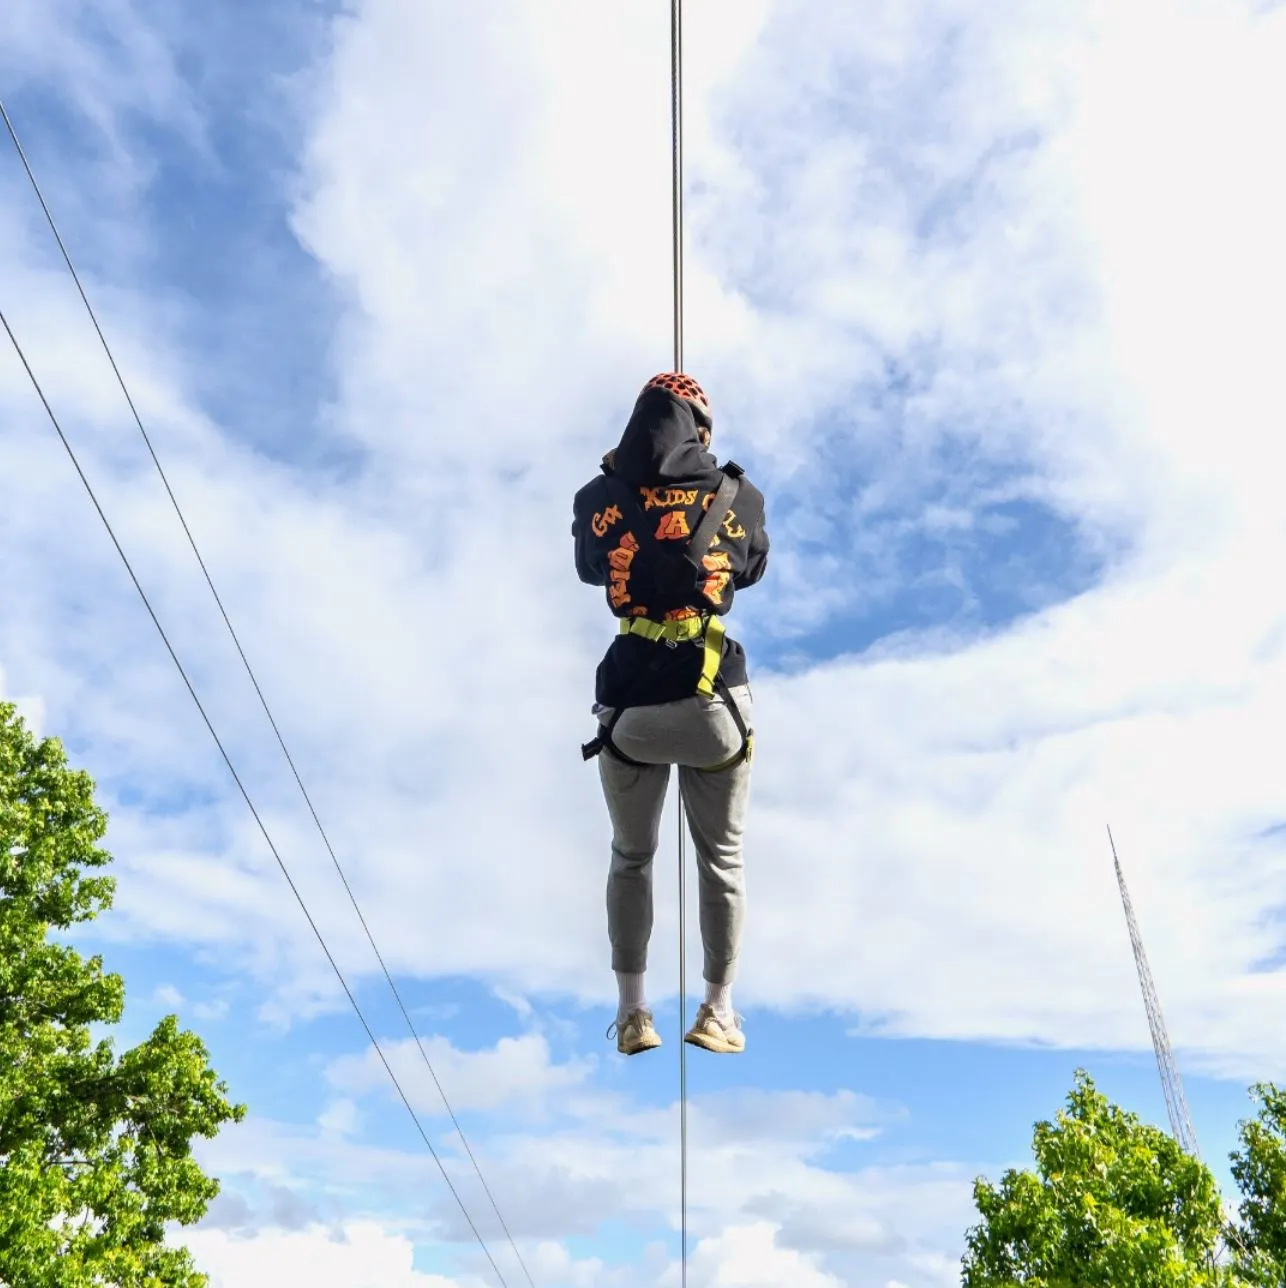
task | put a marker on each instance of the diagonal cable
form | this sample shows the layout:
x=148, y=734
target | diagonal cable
x=138, y=420
x=227, y=760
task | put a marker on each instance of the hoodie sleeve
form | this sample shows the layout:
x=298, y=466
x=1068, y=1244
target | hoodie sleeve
x=756, y=553
x=589, y=566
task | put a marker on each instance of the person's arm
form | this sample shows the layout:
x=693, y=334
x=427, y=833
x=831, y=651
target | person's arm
x=589, y=567
x=756, y=554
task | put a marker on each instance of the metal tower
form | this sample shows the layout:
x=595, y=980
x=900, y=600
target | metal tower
x=1175, y=1103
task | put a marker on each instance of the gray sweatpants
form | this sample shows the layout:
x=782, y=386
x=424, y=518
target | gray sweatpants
x=691, y=733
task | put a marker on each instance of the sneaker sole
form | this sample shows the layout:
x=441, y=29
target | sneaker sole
x=644, y=1044
x=720, y=1046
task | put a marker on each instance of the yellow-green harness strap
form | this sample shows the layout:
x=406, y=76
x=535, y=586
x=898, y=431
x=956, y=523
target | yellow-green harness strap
x=686, y=630
x=680, y=632
x=711, y=656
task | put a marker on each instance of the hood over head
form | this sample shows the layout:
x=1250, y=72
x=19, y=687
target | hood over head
x=661, y=444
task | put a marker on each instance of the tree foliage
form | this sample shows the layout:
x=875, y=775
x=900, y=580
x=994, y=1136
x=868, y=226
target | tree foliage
x=95, y=1147
x=1112, y=1203
x=1259, y=1169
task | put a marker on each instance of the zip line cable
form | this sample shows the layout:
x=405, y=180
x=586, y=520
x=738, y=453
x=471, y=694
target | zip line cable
x=676, y=148
x=227, y=760
x=263, y=701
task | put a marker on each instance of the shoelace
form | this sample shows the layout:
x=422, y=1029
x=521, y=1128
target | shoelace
x=738, y=1019
x=615, y=1024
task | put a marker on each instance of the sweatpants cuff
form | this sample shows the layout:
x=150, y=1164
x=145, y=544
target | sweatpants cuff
x=719, y=972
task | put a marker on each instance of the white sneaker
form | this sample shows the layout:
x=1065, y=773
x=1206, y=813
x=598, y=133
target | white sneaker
x=724, y=1037
x=636, y=1034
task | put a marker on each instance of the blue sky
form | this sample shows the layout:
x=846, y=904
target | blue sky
x=986, y=304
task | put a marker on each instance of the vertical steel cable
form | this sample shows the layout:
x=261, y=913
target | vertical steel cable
x=676, y=139
x=676, y=129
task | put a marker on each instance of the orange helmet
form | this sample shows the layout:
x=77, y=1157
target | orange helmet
x=684, y=387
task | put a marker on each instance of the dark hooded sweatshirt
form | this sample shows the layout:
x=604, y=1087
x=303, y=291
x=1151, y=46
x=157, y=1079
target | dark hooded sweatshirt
x=631, y=526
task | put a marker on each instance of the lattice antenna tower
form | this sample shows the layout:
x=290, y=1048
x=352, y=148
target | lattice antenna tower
x=1175, y=1102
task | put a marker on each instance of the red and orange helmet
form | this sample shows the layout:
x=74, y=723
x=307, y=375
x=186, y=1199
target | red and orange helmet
x=684, y=387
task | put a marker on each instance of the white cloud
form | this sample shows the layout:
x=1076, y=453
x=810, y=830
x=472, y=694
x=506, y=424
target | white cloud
x=747, y=1257
x=362, y=1255
x=368, y=1254
x=755, y=1160
x=520, y=1005
x=339, y=1118
x=515, y=1069
x=168, y=995
x=280, y=1154
x=113, y=67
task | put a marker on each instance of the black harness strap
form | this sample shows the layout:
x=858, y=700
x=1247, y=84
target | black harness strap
x=604, y=742
x=713, y=519
x=747, y=737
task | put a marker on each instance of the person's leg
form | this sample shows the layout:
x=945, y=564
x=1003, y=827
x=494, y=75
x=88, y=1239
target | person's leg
x=715, y=803
x=716, y=806
x=635, y=796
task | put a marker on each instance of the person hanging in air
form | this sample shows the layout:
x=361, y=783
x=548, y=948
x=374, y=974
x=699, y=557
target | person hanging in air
x=672, y=536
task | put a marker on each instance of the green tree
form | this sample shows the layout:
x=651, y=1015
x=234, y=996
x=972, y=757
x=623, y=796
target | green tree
x=95, y=1148
x=1112, y=1203
x=1259, y=1168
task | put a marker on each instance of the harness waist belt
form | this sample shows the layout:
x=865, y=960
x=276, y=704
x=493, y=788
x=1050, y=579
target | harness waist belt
x=677, y=632
x=709, y=631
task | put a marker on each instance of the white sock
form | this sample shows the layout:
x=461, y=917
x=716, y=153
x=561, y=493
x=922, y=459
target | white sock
x=632, y=996
x=719, y=999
